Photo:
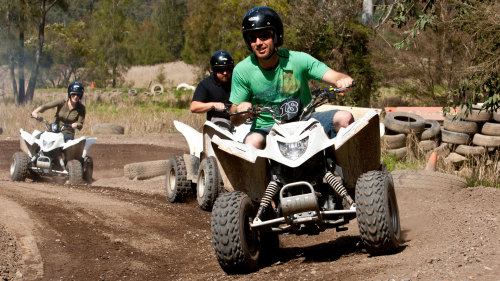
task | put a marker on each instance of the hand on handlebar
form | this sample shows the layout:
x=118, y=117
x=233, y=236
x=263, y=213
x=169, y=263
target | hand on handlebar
x=219, y=106
x=346, y=84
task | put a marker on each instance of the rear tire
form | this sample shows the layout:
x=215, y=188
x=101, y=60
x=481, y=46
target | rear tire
x=88, y=169
x=377, y=212
x=209, y=183
x=177, y=186
x=236, y=246
x=75, y=172
x=19, y=169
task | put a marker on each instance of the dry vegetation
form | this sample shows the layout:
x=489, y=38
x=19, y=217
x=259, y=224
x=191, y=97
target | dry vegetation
x=139, y=114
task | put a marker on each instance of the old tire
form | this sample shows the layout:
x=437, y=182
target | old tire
x=19, y=169
x=427, y=145
x=88, y=169
x=236, y=245
x=426, y=179
x=75, y=172
x=404, y=122
x=399, y=153
x=377, y=212
x=145, y=170
x=496, y=116
x=394, y=141
x=209, y=183
x=491, y=129
x=157, y=89
x=467, y=150
x=432, y=129
x=459, y=126
x=177, y=186
x=454, y=137
x=108, y=129
x=483, y=140
x=476, y=114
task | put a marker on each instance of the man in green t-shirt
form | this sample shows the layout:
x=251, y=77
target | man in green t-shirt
x=269, y=76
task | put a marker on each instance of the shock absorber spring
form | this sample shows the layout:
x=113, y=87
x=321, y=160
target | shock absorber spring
x=271, y=189
x=337, y=187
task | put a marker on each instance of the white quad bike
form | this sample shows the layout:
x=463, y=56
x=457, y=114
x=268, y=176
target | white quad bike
x=46, y=153
x=302, y=182
x=198, y=169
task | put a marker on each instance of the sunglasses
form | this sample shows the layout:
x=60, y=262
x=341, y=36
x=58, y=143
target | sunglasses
x=222, y=70
x=262, y=37
x=79, y=95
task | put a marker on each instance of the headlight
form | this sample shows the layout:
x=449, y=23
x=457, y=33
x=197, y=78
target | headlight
x=48, y=143
x=293, y=150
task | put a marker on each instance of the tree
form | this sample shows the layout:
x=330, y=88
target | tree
x=110, y=27
x=38, y=11
x=69, y=50
x=19, y=17
x=478, y=79
x=170, y=20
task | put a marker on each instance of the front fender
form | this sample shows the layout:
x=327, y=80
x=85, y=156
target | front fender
x=241, y=167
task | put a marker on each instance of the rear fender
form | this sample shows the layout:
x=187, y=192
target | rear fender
x=357, y=148
x=88, y=142
x=193, y=138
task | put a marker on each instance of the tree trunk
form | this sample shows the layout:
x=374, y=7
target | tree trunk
x=38, y=53
x=367, y=16
x=13, y=75
x=21, y=97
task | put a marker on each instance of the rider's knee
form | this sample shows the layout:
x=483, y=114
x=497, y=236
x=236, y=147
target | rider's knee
x=342, y=119
x=255, y=139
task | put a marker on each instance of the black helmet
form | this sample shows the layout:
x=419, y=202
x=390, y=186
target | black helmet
x=75, y=87
x=221, y=59
x=262, y=18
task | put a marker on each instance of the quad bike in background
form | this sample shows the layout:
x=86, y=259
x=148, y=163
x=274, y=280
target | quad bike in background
x=199, y=169
x=46, y=154
x=302, y=182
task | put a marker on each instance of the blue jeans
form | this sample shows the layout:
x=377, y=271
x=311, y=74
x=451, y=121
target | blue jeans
x=325, y=118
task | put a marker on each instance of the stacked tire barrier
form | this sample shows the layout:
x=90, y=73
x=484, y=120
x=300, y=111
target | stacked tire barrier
x=460, y=137
x=402, y=126
x=471, y=135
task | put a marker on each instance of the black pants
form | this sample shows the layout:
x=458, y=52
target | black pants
x=68, y=137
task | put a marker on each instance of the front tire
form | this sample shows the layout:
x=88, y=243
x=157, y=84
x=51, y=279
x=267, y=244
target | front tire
x=377, y=212
x=209, y=183
x=236, y=245
x=19, y=169
x=75, y=172
x=177, y=186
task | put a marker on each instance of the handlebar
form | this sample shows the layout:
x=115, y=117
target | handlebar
x=49, y=128
x=319, y=98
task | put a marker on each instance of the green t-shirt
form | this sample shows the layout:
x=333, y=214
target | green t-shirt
x=290, y=78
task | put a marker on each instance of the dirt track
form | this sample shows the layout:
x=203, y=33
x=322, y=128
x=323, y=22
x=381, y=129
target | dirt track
x=118, y=229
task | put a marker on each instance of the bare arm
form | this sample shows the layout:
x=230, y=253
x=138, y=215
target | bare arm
x=34, y=114
x=338, y=79
x=202, y=107
x=237, y=120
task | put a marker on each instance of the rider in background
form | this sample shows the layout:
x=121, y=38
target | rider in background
x=268, y=76
x=69, y=111
x=213, y=92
